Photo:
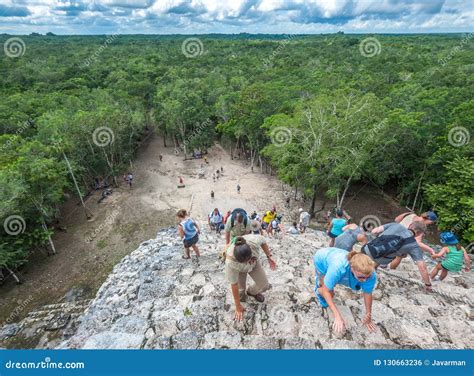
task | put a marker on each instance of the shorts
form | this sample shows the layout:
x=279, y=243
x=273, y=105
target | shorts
x=264, y=225
x=448, y=268
x=190, y=242
x=331, y=235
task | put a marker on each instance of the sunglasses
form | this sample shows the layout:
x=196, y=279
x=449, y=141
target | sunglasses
x=361, y=277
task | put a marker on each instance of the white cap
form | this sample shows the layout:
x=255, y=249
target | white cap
x=300, y=210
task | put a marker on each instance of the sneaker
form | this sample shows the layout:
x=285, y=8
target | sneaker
x=321, y=300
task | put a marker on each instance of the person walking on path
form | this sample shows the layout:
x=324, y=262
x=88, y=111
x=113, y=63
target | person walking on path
x=406, y=219
x=335, y=226
x=395, y=240
x=238, y=188
x=129, y=179
x=454, y=256
x=352, y=234
x=238, y=224
x=304, y=220
x=354, y=270
x=212, y=194
x=189, y=231
x=242, y=259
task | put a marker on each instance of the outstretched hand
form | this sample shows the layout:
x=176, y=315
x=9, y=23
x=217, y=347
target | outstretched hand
x=369, y=323
x=272, y=263
x=338, y=325
x=239, y=313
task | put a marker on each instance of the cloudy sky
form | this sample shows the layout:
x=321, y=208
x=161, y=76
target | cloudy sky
x=234, y=16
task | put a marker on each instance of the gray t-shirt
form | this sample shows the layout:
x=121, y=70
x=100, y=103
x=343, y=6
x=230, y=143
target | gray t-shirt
x=347, y=239
x=412, y=248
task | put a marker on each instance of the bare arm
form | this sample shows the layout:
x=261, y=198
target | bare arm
x=467, y=261
x=423, y=246
x=377, y=230
x=361, y=238
x=268, y=253
x=180, y=231
x=401, y=216
x=227, y=237
x=440, y=253
x=239, y=310
x=368, y=312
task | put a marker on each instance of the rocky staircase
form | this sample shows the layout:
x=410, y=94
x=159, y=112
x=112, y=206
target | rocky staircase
x=154, y=299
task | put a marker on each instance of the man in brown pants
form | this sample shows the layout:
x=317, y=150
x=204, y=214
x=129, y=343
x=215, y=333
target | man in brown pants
x=242, y=259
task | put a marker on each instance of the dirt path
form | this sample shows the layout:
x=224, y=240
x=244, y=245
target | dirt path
x=88, y=251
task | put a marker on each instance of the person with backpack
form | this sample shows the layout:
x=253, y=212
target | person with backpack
x=189, y=231
x=304, y=220
x=335, y=226
x=351, y=235
x=406, y=219
x=214, y=219
x=454, y=256
x=355, y=270
x=238, y=224
x=276, y=226
x=242, y=259
x=395, y=240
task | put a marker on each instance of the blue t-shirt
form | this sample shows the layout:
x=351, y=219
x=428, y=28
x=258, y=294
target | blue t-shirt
x=333, y=264
x=337, y=225
x=189, y=228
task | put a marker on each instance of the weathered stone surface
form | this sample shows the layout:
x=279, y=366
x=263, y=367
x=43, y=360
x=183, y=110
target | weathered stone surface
x=154, y=299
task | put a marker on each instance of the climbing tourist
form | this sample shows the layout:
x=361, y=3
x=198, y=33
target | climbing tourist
x=238, y=224
x=214, y=178
x=352, y=234
x=256, y=227
x=335, y=226
x=205, y=160
x=395, y=240
x=304, y=220
x=454, y=256
x=215, y=219
x=354, y=270
x=276, y=227
x=406, y=219
x=287, y=202
x=242, y=258
x=268, y=217
x=128, y=179
x=238, y=188
x=222, y=169
x=212, y=194
x=255, y=216
x=294, y=230
x=189, y=231
x=161, y=157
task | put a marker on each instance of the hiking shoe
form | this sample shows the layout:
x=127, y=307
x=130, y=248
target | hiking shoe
x=321, y=300
x=258, y=297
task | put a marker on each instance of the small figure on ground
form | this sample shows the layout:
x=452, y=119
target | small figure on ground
x=294, y=230
x=395, y=240
x=238, y=224
x=255, y=216
x=212, y=194
x=276, y=227
x=161, y=157
x=351, y=235
x=267, y=219
x=242, y=258
x=205, y=160
x=189, y=231
x=214, y=178
x=355, y=270
x=304, y=220
x=454, y=256
x=238, y=188
x=181, y=180
x=215, y=219
x=287, y=202
x=335, y=226
x=222, y=169
x=128, y=178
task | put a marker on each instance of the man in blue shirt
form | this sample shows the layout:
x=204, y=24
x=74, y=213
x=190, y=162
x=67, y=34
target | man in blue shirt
x=354, y=270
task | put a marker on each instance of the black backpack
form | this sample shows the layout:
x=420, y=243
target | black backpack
x=385, y=246
x=234, y=214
